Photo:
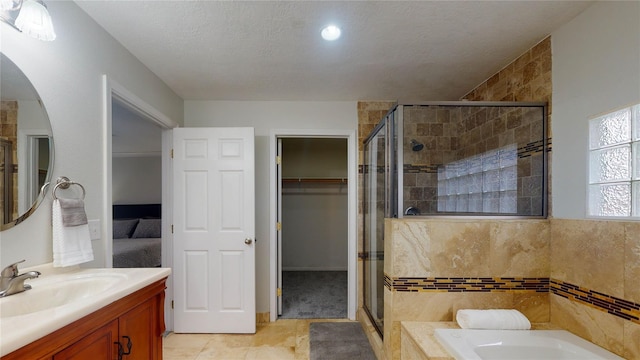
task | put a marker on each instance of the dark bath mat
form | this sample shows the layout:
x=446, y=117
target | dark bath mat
x=339, y=341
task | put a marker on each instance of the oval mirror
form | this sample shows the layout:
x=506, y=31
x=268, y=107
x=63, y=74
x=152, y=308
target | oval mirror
x=26, y=146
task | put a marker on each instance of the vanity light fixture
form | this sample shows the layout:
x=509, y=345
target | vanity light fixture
x=28, y=16
x=331, y=33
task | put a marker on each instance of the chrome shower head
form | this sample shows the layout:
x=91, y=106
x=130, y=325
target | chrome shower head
x=416, y=146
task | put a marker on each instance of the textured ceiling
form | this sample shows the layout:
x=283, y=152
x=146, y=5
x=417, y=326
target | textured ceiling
x=271, y=50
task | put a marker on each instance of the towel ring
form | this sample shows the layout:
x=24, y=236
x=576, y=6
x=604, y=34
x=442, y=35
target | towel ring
x=44, y=187
x=63, y=182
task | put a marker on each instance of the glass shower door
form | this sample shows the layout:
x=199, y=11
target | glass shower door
x=374, y=209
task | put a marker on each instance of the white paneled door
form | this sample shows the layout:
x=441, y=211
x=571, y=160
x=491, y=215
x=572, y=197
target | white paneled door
x=214, y=229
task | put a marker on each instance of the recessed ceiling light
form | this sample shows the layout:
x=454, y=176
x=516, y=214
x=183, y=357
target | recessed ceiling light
x=331, y=33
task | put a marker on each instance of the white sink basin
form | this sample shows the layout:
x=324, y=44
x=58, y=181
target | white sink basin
x=53, y=293
x=61, y=296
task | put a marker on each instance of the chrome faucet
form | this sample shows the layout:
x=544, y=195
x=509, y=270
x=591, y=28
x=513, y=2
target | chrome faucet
x=12, y=283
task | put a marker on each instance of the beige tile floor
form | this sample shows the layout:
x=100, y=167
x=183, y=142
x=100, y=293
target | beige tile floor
x=281, y=340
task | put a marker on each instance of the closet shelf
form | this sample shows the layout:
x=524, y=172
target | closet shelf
x=315, y=180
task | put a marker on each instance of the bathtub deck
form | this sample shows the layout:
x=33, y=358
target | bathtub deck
x=418, y=342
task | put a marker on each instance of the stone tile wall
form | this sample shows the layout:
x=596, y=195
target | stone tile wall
x=528, y=78
x=436, y=128
x=595, y=272
x=450, y=134
x=486, y=264
x=580, y=275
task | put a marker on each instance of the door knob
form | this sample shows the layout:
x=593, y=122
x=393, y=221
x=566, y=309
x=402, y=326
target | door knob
x=248, y=241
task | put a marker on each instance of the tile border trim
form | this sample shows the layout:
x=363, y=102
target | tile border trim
x=621, y=308
x=625, y=309
x=467, y=284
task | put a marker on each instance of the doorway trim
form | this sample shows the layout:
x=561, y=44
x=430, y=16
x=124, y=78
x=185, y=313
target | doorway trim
x=352, y=151
x=113, y=90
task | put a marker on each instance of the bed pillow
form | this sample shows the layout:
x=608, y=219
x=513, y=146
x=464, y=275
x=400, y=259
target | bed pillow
x=123, y=229
x=148, y=228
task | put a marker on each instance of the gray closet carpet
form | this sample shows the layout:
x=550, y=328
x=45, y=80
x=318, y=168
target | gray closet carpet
x=314, y=295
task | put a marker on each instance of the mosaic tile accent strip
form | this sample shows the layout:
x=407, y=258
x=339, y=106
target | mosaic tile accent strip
x=387, y=281
x=523, y=152
x=615, y=306
x=425, y=169
x=467, y=284
x=532, y=148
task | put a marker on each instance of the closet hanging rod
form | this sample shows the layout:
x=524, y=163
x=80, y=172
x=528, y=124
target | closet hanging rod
x=315, y=180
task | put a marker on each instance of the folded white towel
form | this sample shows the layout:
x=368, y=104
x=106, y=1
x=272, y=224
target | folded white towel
x=497, y=319
x=71, y=245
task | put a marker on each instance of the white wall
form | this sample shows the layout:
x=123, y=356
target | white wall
x=31, y=117
x=265, y=116
x=67, y=73
x=314, y=228
x=596, y=69
x=137, y=180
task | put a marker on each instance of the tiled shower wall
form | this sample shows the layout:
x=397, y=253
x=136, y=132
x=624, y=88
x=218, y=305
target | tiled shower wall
x=452, y=135
x=436, y=128
x=476, y=130
x=527, y=78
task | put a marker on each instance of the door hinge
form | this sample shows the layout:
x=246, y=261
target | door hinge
x=278, y=226
x=172, y=228
x=278, y=160
x=172, y=304
x=279, y=291
x=172, y=153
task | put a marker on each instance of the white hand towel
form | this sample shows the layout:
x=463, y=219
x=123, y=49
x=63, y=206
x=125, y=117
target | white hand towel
x=71, y=245
x=498, y=319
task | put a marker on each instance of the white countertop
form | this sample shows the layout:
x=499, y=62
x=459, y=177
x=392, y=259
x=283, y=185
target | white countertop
x=17, y=331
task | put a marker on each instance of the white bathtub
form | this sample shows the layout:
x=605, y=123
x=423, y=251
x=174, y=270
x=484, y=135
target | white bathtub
x=466, y=344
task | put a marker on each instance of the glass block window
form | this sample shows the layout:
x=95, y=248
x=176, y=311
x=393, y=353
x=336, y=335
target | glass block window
x=614, y=164
x=484, y=183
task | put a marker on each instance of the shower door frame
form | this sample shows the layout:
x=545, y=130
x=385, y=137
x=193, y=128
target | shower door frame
x=390, y=122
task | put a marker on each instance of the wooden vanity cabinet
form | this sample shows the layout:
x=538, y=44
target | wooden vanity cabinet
x=138, y=317
x=100, y=342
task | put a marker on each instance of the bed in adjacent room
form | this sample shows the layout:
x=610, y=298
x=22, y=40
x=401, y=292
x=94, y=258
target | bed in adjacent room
x=137, y=235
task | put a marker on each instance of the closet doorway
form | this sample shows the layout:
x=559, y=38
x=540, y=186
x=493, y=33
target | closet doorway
x=314, y=229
